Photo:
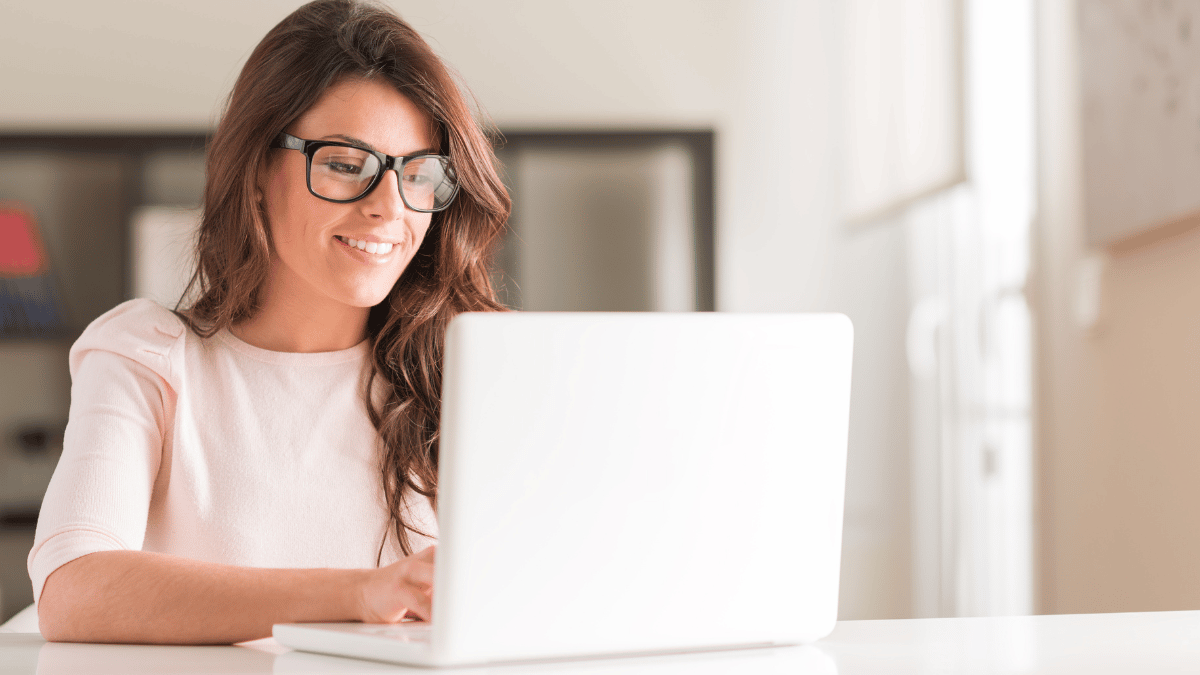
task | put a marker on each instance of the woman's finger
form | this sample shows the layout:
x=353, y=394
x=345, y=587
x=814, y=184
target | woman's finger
x=419, y=573
x=421, y=606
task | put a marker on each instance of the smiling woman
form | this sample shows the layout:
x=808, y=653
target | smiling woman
x=269, y=452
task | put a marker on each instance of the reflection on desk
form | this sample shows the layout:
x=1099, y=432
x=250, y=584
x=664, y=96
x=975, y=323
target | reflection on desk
x=22, y=654
x=789, y=661
x=1154, y=642
x=33, y=655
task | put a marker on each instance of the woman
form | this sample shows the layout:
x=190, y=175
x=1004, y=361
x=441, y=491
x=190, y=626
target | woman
x=269, y=454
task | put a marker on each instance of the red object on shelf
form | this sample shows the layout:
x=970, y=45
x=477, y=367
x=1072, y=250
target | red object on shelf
x=21, y=252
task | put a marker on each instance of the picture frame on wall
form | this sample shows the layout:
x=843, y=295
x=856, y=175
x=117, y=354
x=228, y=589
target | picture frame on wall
x=1140, y=120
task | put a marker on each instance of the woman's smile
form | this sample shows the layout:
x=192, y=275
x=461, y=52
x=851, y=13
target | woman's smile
x=371, y=246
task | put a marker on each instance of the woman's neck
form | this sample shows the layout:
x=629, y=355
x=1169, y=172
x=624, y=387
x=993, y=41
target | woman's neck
x=292, y=321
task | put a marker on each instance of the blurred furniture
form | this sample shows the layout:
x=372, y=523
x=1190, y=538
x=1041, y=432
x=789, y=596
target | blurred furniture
x=609, y=221
x=83, y=192
x=24, y=621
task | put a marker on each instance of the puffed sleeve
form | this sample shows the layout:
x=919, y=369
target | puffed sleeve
x=123, y=391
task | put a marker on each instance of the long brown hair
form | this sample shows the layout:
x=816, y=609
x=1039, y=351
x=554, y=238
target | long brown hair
x=317, y=46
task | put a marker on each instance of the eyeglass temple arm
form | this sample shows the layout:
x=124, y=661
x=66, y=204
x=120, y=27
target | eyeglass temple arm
x=285, y=140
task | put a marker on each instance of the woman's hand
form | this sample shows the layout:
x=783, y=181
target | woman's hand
x=404, y=587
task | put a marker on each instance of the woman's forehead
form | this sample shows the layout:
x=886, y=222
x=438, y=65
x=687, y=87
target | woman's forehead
x=371, y=112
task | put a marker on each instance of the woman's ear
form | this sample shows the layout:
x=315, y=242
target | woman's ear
x=263, y=178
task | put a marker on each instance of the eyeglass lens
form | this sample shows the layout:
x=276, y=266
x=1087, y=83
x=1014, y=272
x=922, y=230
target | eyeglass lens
x=339, y=172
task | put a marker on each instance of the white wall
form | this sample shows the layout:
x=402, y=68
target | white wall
x=761, y=74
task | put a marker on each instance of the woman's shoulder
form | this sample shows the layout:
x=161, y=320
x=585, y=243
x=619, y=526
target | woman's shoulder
x=140, y=329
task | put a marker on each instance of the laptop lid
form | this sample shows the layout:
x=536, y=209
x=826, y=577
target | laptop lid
x=625, y=483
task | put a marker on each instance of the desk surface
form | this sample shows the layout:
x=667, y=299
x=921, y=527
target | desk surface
x=1158, y=642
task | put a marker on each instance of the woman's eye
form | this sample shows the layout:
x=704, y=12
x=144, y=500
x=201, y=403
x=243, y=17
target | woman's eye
x=345, y=168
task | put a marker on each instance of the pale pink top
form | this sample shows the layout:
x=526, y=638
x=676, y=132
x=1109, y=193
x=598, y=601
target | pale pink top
x=215, y=450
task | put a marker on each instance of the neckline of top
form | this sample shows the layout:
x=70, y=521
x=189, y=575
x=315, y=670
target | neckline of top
x=355, y=353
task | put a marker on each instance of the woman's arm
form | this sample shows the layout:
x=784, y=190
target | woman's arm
x=141, y=597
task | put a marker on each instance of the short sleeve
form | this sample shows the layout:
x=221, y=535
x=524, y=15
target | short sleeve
x=123, y=392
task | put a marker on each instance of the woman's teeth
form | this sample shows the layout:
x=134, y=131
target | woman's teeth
x=368, y=246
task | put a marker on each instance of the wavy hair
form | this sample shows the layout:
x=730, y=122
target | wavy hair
x=319, y=45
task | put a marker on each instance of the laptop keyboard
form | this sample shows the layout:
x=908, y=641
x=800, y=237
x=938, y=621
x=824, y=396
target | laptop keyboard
x=403, y=632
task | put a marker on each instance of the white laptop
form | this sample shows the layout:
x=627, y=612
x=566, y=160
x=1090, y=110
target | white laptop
x=619, y=484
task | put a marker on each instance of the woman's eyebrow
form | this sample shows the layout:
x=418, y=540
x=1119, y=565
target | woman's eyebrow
x=368, y=146
x=349, y=139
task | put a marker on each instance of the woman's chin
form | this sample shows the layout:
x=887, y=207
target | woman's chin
x=367, y=301
x=366, y=293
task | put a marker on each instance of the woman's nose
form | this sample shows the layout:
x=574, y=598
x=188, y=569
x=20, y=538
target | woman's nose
x=385, y=201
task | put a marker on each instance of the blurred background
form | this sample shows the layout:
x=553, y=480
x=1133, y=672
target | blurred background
x=1001, y=194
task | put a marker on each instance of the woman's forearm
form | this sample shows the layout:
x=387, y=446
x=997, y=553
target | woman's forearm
x=141, y=597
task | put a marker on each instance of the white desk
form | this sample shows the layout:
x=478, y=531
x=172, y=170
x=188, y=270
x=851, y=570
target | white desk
x=1162, y=642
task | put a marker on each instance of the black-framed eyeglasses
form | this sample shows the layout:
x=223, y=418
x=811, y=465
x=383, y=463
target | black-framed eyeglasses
x=343, y=173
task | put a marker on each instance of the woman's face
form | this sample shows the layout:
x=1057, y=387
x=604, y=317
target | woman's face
x=314, y=263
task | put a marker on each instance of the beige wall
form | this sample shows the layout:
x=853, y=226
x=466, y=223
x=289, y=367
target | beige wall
x=1120, y=400
x=167, y=64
